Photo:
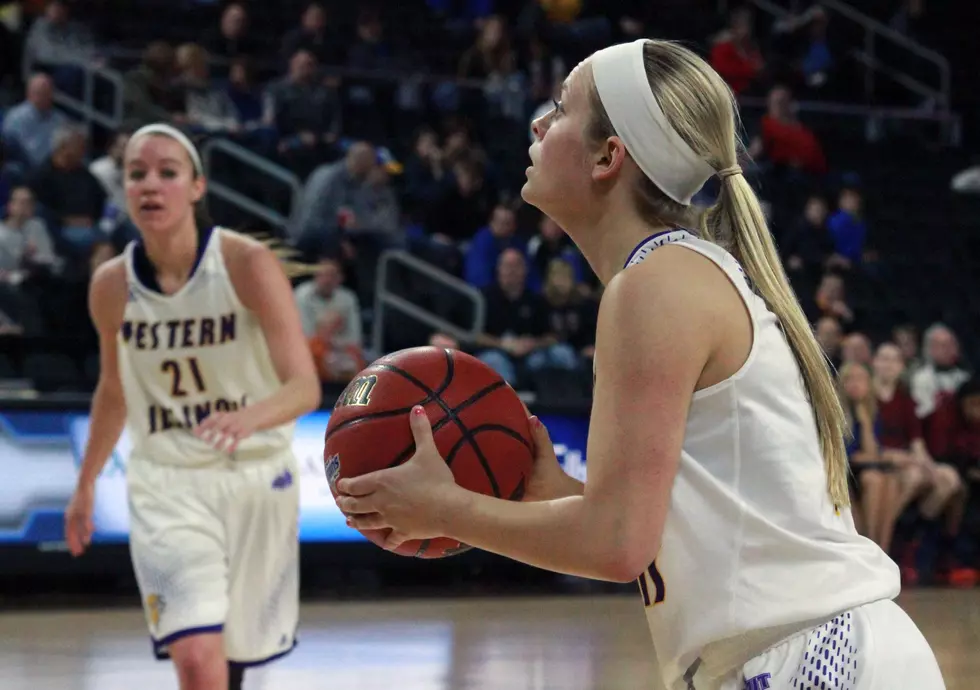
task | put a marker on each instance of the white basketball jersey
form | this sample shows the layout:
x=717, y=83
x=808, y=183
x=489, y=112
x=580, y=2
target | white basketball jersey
x=190, y=354
x=753, y=549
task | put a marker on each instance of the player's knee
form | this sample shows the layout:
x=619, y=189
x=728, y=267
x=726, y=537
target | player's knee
x=200, y=662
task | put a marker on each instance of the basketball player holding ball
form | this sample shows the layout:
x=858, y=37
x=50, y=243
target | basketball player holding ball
x=203, y=358
x=717, y=469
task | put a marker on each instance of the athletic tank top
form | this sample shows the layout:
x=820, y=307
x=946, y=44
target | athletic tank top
x=186, y=355
x=753, y=548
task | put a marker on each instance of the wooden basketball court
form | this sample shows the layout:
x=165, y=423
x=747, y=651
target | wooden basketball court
x=561, y=643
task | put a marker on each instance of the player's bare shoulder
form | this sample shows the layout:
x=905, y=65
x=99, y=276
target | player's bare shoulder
x=249, y=263
x=108, y=294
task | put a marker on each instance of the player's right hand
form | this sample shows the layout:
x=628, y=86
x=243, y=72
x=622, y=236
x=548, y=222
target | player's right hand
x=78, y=519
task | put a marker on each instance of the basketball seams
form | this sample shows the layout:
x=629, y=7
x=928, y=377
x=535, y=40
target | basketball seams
x=451, y=414
x=430, y=395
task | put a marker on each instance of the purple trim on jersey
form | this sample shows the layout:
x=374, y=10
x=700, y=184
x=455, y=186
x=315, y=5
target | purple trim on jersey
x=673, y=228
x=145, y=272
x=159, y=646
x=640, y=245
x=267, y=660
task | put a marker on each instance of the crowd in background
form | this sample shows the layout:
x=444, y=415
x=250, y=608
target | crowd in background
x=435, y=168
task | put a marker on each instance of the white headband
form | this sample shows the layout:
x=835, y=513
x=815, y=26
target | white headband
x=621, y=80
x=176, y=135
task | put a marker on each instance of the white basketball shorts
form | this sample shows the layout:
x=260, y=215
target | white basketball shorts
x=217, y=550
x=873, y=647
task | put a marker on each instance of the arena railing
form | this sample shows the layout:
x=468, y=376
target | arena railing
x=385, y=298
x=86, y=107
x=258, y=164
x=937, y=94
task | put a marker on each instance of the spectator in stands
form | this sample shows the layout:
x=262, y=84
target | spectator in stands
x=306, y=114
x=546, y=70
x=149, y=93
x=380, y=213
x=25, y=248
x=72, y=197
x=324, y=296
x=572, y=318
x=315, y=36
x=802, y=44
x=784, y=141
x=337, y=197
x=549, y=244
x=57, y=43
x=848, y=228
x=244, y=95
x=941, y=374
x=463, y=204
x=108, y=171
x=424, y=173
x=29, y=127
x=856, y=349
x=830, y=334
x=902, y=443
x=877, y=483
x=208, y=109
x=807, y=244
x=487, y=245
x=906, y=336
x=516, y=320
x=25, y=245
x=964, y=452
x=370, y=102
x=337, y=358
x=232, y=38
x=735, y=54
x=831, y=300
x=491, y=54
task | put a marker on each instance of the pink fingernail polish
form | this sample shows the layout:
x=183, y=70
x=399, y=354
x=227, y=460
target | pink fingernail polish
x=418, y=411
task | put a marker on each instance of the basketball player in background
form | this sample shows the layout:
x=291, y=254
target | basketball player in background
x=717, y=466
x=204, y=359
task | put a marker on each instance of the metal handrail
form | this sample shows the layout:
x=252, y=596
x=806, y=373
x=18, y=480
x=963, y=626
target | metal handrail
x=264, y=165
x=86, y=106
x=384, y=298
x=874, y=30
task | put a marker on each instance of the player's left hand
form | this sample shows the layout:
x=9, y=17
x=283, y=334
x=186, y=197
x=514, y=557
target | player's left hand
x=225, y=430
x=410, y=499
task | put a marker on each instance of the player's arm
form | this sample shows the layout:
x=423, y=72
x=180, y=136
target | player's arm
x=652, y=343
x=263, y=288
x=657, y=329
x=107, y=303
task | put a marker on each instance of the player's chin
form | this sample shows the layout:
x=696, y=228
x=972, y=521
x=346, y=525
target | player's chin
x=529, y=192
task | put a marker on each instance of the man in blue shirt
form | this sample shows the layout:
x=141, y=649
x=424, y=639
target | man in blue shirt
x=29, y=126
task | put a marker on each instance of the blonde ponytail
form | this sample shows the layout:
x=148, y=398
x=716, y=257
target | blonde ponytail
x=287, y=256
x=738, y=215
x=701, y=109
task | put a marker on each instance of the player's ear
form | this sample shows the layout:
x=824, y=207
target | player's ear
x=608, y=159
x=199, y=188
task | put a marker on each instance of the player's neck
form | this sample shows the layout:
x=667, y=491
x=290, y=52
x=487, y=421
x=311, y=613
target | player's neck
x=173, y=254
x=608, y=244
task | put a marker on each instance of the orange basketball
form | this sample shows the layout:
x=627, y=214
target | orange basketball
x=479, y=424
